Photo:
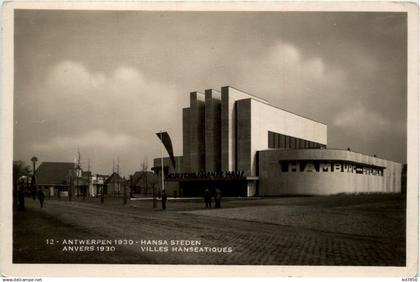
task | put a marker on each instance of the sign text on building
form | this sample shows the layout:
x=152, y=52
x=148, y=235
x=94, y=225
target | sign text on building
x=206, y=175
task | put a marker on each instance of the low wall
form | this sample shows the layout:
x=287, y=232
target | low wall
x=325, y=172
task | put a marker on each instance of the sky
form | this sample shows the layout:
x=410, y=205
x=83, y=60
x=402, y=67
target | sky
x=104, y=82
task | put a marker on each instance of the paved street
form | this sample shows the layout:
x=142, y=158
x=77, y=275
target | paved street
x=333, y=230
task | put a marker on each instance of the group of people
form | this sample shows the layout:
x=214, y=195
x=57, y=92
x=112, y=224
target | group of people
x=217, y=198
x=207, y=198
x=164, y=197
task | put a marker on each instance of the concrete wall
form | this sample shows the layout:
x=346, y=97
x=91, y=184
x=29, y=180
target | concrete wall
x=197, y=132
x=186, y=138
x=274, y=182
x=228, y=121
x=212, y=130
x=255, y=118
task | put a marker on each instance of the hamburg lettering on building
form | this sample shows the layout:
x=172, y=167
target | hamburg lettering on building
x=323, y=166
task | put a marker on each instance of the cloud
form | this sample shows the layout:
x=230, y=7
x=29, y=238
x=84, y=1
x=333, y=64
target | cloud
x=290, y=79
x=122, y=99
x=128, y=74
x=369, y=132
x=287, y=57
x=334, y=94
x=69, y=81
x=358, y=118
x=73, y=79
x=69, y=73
x=104, y=113
x=303, y=75
x=365, y=131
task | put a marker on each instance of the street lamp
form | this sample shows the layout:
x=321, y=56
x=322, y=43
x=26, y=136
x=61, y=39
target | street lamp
x=33, y=160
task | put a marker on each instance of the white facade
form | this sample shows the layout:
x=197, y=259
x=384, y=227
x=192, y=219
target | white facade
x=256, y=118
x=230, y=96
x=231, y=132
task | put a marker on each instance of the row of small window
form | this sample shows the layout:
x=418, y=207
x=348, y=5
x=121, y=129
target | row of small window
x=276, y=140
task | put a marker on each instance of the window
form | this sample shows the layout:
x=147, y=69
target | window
x=286, y=141
x=276, y=140
x=271, y=139
x=301, y=144
x=292, y=143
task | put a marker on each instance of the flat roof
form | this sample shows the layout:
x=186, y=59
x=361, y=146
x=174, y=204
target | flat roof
x=251, y=95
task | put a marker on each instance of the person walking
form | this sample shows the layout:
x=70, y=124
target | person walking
x=41, y=197
x=207, y=198
x=217, y=198
x=164, y=198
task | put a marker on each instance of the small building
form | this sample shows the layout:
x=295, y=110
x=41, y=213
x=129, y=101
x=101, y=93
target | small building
x=114, y=185
x=143, y=183
x=97, y=185
x=81, y=182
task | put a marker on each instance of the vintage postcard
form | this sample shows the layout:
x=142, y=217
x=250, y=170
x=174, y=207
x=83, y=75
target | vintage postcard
x=209, y=139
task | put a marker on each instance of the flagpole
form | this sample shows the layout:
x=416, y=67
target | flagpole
x=161, y=162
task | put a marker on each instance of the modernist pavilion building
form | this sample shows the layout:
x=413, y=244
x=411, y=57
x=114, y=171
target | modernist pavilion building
x=246, y=147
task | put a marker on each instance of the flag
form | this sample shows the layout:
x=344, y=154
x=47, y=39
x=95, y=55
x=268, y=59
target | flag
x=166, y=140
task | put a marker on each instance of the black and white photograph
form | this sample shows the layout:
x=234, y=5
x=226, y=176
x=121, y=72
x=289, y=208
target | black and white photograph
x=176, y=137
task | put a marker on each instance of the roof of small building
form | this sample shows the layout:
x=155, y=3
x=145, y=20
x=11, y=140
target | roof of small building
x=53, y=173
